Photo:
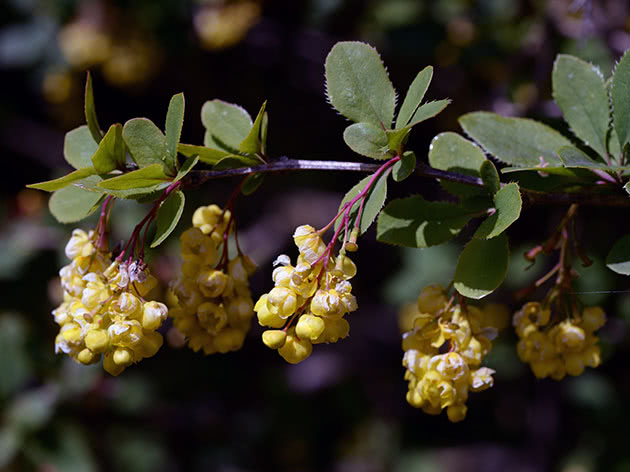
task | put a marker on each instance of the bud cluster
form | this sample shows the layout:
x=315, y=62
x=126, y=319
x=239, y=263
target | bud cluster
x=557, y=349
x=444, y=352
x=212, y=303
x=316, y=293
x=103, y=311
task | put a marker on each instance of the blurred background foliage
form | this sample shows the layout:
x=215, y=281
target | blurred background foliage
x=343, y=409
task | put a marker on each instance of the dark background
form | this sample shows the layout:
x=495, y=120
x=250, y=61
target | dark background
x=343, y=409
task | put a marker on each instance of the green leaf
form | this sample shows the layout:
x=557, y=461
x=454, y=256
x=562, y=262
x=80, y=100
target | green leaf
x=234, y=161
x=227, y=125
x=61, y=182
x=72, y=203
x=621, y=99
x=627, y=187
x=490, y=177
x=517, y=141
x=91, y=184
x=415, y=222
x=573, y=157
x=580, y=92
x=90, y=111
x=451, y=152
x=186, y=167
x=482, y=266
x=397, y=138
x=173, y=128
x=373, y=204
x=428, y=110
x=405, y=167
x=612, y=142
x=263, y=134
x=79, y=147
x=144, y=177
x=357, y=84
x=168, y=216
x=110, y=154
x=366, y=139
x=507, y=203
x=618, y=259
x=414, y=96
x=252, y=183
x=146, y=143
x=252, y=144
x=206, y=154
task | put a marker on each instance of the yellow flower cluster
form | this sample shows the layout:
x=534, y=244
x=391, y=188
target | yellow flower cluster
x=212, y=303
x=444, y=352
x=315, y=290
x=557, y=349
x=103, y=311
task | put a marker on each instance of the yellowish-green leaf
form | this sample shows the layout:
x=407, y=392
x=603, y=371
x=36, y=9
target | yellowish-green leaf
x=61, y=182
x=186, y=167
x=144, y=177
x=227, y=125
x=72, y=203
x=146, y=143
x=173, y=128
x=79, y=147
x=110, y=154
x=252, y=144
x=206, y=154
x=90, y=111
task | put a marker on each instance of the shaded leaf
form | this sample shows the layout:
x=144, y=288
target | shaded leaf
x=357, y=84
x=573, y=157
x=507, y=203
x=618, y=259
x=252, y=183
x=234, y=161
x=490, y=177
x=90, y=111
x=396, y=138
x=580, y=92
x=144, y=177
x=72, y=203
x=61, y=182
x=227, y=125
x=373, y=204
x=146, y=143
x=186, y=167
x=428, y=110
x=79, y=147
x=414, y=96
x=206, y=154
x=366, y=139
x=111, y=151
x=517, y=141
x=415, y=222
x=173, y=128
x=405, y=167
x=168, y=216
x=621, y=99
x=482, y=266
x=252, y=144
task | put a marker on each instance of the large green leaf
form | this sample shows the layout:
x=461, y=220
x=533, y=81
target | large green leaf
x=428, y=110
x=357, y=84
x=482, y=266
x=375, y=199
x=252, y=144
x=90, y=111
x=206, y=154
x=366, y=139
x=168, y=216
x=507, y=205
x=618, y=259
x=517, y=141
x=580, y=92
x=405, y=167
x=621, y=99
x=451, y=152
x=173, y=128
x=146, y=143
x=61, y=182
x=227, y=125
x=415, y=222
x=79, y=147
x=414, y=96
x=111, y=151
x=144, y=177
x=73, y=203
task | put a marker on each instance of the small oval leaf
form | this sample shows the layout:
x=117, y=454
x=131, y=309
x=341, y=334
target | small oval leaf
x=168, y=216
x=507, y=205
x=366, y=139
x=72, y=203
x=482, y=266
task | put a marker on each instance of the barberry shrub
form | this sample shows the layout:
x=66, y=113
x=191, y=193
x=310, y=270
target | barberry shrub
x=502, y=164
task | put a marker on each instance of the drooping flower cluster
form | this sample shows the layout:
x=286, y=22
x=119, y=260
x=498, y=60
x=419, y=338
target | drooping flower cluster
x=103, y=311
x=557, y=349
x=310, y=298
x=212, y=306
x=444, y=352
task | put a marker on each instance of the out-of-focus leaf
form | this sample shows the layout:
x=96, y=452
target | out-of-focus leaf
x=79, y=147
x=144, y=177
x=168, y=216
x=227, y=125
x=70, y=451
x=173, y=128
x=482, y=266
x=366, y=139
x=579, y=90
x=414, y=96
x=405, y=167
x=146, y=143
x=507, y=203
x=618, y=259
x=252, y=144
x=517, y=141
x=15, y=363
x=90, y=111
x=621, y=99
x=32, y=409
x=10, y=444
x=72, y=203
x=61, y=182
x=357, y=84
